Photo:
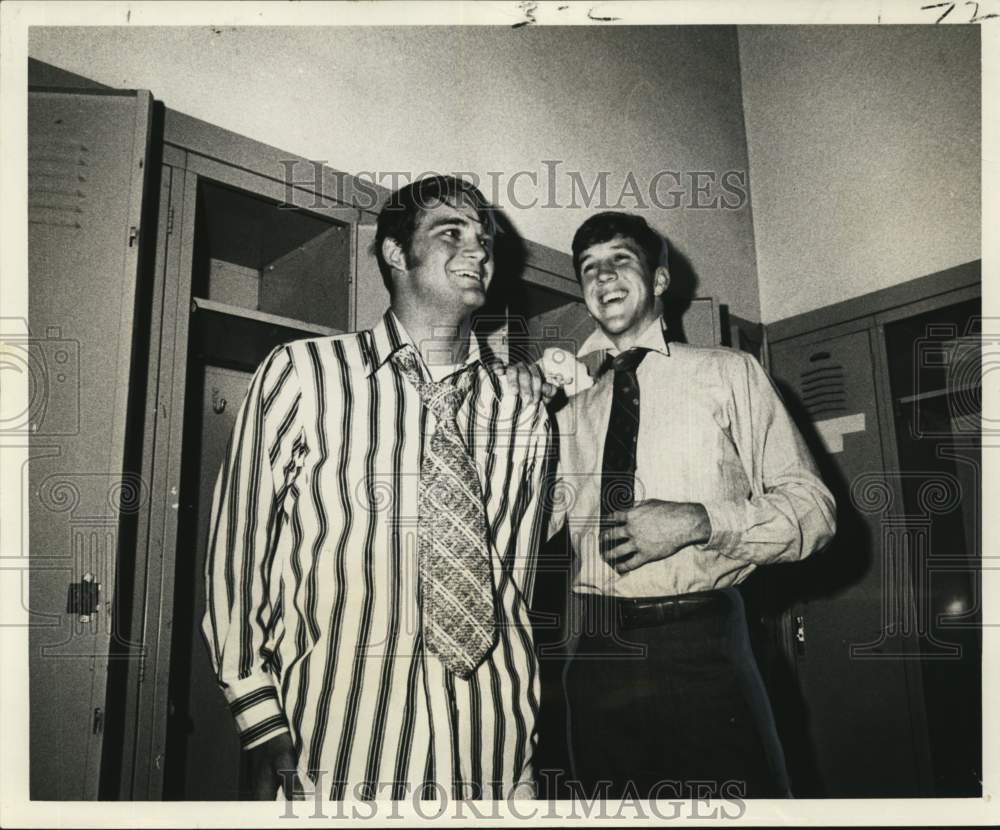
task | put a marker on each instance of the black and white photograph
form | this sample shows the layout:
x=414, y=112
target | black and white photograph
x=533, y=412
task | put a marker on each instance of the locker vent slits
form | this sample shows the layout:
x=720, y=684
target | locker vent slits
x=821, y=388
x=57, y=181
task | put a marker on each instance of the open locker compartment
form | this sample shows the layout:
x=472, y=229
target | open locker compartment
x=255, y=255
x=262, y=275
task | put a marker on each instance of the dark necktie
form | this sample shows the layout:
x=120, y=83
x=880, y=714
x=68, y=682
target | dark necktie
x=618, y=468
x=453, y=558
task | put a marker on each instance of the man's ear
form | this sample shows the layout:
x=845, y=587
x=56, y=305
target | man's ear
x=661, y=279
x=392, y=252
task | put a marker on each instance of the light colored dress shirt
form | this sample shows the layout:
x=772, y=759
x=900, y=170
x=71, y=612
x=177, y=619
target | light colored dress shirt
x=313, y=619
x=712, y=430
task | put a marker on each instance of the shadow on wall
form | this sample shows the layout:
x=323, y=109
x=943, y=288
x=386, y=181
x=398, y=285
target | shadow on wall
x=511, y=257
x=680, y=293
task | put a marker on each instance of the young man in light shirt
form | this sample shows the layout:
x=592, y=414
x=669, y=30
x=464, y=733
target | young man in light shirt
x=684, y=474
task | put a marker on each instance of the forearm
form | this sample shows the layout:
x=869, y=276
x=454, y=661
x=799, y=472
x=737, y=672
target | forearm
x=653, y=530
x=783, y=525
x=694, y=523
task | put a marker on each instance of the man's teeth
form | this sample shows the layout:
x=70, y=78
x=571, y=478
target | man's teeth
x=471, y=274
x=610, y=298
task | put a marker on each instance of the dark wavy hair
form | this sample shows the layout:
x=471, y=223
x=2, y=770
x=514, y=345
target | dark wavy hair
x=398, y=217
x=603, y=227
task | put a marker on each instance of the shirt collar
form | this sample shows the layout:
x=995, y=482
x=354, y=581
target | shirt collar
x=653, y=337
x=389, y=336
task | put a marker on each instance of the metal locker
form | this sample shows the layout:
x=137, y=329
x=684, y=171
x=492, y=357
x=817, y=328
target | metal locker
x=86, y=169
x=857, y=709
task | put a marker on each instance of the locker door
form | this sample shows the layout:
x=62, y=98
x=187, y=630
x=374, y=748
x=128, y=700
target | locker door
x=86, y=165
x=856, y=693
x=204, y=747
x=370, y=295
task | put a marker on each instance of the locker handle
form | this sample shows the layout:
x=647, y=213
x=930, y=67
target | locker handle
x=799, y=634
x=82, y=597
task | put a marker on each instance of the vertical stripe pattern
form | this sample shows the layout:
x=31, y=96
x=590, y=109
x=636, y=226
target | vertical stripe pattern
x=313, y=617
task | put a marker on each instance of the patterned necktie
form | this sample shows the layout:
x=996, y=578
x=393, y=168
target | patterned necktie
x=618, y=467
x=456, y=579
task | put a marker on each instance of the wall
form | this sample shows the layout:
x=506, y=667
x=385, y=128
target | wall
x=613, y=99
x=864, y=147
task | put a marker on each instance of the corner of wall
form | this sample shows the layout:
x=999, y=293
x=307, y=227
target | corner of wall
x=749, y=185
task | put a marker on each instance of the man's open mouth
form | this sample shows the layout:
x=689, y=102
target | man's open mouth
x=613, y=297
x=472, y=275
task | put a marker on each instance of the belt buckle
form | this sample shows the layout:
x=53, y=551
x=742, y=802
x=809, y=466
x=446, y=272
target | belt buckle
x=636, y=614
x=625, y=618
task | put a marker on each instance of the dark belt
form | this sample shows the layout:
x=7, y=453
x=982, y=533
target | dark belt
x=649, y=611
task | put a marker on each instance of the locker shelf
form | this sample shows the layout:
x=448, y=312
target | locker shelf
x=256, y=254
x=937, y=393
x=240, y=338
x=307, y=329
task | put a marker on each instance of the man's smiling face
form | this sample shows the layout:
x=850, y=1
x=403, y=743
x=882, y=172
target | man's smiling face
x=450, y=261
x=619, y=287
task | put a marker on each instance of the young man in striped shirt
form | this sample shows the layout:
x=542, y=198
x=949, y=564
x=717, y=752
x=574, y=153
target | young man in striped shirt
x=343, y=649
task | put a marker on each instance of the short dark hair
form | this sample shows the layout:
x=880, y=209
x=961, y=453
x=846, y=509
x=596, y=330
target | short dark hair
x=603, y=227
x=398, y=217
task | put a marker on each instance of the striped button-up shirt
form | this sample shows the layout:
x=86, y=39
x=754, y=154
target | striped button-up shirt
x=712, y=430
x=313, y=620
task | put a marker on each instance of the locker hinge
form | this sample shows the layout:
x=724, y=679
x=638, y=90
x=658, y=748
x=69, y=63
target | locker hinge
x=170, y=221
x=133, y=234
x=98, y=726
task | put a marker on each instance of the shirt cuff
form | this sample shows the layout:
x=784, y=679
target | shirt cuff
x=253, y=702
x=724, y=519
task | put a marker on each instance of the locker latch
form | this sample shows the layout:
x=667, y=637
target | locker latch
x=133, y=233
x=800, y=634
x=82, y=597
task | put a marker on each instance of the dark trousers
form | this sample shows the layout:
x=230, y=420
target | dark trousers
x=671, y=709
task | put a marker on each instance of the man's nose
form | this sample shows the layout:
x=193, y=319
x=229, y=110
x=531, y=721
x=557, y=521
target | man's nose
x=606, y=272
x=477, y=250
